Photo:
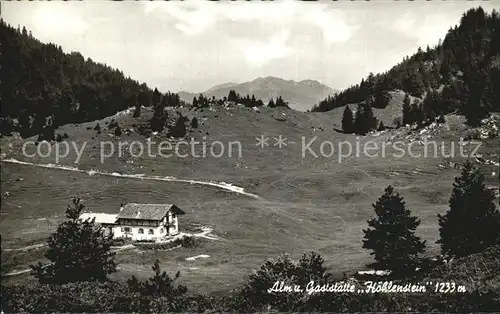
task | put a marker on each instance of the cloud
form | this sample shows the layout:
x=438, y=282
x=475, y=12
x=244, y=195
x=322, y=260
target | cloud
x=426, y=30
x=197, y=17
x=258, y=53
x=332, y=24
x=56, y=19
x=191, y=18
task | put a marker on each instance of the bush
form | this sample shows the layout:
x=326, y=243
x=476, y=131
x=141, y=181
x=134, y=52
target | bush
x=187, y=242
x=256, y=297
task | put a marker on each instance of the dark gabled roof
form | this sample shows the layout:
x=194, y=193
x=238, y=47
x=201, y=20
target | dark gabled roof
x=148, y=211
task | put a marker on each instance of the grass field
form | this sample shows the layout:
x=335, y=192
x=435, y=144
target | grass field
x=305, y=203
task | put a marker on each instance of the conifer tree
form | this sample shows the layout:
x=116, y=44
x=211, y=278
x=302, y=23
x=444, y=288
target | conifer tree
x=179, y=129
x=371, y=121
x=159, y=114
x=391, y=236
x=118, y=131
x=194, y=123
x=381, y=126
x=78, y=251
x=364, y=121
x=347, y=121
x=407, y=110
x=137, y=111
x=472, y=222
x=232, y=96
x=271, y=103
x=381, y=96
x=359, y=121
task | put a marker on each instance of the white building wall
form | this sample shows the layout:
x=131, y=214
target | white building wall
x=173, y=224
x=169, y=226
x=134, y=232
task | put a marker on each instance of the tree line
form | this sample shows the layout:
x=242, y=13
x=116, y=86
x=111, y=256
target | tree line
x=363, y=121
x=76, y=279
x=47, y=88
x=249, y=101
x=464, y=68
x=420, y=113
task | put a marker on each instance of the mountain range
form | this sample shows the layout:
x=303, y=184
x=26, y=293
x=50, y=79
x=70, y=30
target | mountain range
x=301, y=95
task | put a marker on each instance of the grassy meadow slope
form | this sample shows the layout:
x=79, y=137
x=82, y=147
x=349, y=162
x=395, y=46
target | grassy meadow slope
x=305, y=204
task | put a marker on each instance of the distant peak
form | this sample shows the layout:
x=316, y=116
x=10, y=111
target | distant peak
x=310, y=82
x=268, y=79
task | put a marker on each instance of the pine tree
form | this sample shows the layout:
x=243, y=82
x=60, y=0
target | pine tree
x=118, y=131
x=381, y=126
x=159, y=114
x=194, y=123
x=370, y=120
x=347, y=121
x=359, y=121
x=179, y=129
x=381, y=96
x=232, y=96
x=391, y=236
x=253, y=101
x=281, y=103
x=417, y=113
x=407, y=110
x=271, y=103
x=364, y=121
x=472, y=223
x=78, y=251
x=137, y=111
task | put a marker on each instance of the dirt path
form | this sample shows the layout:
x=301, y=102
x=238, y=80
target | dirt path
x=115, y=249
x=221, y=185
x=27, y=248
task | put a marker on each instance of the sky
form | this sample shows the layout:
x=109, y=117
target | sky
x=194, y=45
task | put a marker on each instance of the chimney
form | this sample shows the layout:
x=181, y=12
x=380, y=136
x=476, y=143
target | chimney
x=121, y=207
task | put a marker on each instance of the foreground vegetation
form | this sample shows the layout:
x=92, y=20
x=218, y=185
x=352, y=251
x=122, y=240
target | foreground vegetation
x=72, y=286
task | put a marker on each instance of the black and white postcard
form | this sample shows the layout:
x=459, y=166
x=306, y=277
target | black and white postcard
x=250, y=156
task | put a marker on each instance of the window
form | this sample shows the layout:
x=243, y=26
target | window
x=161, y=230
x=151, y=231
x=141, y=230
x=126, y=229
